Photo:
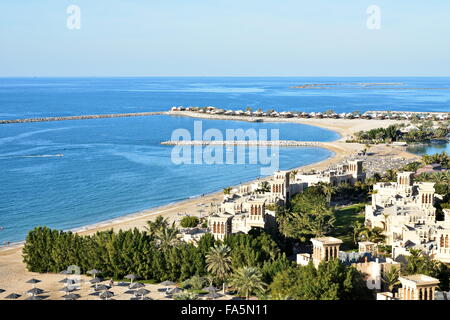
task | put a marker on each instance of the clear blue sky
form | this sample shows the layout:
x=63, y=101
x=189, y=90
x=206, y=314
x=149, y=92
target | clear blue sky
x=224, y=38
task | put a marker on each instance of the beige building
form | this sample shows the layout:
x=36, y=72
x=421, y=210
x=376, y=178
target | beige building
x=324, y=249
x=348, y=173
x=246, y=207
x=405, y=211
x=418, y=287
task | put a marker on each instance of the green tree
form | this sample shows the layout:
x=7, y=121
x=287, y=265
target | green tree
x=248, y=280
x=153, y=227
x=189, y=222
x=309, y=216
x=390, y=278
x=332, y=280
x=218, y=262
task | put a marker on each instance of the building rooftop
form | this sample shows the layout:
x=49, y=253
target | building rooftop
x=327, y=240
x=420, y=279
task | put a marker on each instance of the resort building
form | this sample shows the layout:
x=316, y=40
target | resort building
x=417, y=287
x=246, y=207
x=348, y=173
x=372, y=267
x=405, y=211
x=324, y=249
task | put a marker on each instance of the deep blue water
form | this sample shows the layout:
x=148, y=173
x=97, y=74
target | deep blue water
x=112, y=167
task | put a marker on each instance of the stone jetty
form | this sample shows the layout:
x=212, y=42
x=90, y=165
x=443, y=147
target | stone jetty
x=84, y=117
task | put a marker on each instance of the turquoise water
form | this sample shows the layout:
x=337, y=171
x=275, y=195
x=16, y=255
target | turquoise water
x=113, y=167
x=430, y=149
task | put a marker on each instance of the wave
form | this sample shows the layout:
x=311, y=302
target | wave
x=34, y=156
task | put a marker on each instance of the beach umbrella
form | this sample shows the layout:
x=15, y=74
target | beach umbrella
x=131, y=277
x=142, y=292
x=213, y=295
x=95, y=281
x=66, y=289
x=133, y=292
x=210, y=289
x=71, y=296
x=175, y=290
x=1, y=290
x=93, y=272
x=106, y=295
x=167, y=283
x=102, y=287
x=35, y=298
x=64, y=272
x=137, y=285
x=137, y=298
x=66, y=280
x=33, y=281
x=13, y=296
x=35, y=291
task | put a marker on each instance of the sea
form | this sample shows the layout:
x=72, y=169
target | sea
x=70, y=174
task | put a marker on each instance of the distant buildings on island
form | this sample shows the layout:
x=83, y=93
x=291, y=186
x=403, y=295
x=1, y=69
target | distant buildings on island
x=379, y=115
x=404, y=210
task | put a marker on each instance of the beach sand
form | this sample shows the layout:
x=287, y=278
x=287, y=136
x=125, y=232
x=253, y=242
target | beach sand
x=13, y=273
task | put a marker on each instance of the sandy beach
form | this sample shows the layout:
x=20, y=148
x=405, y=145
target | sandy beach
x=12, y=270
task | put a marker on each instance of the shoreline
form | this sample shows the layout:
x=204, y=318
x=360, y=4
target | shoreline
x=11, y=261
x=339, y=148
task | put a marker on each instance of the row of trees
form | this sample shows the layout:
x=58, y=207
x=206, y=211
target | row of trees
x=332, y=280
x=423, y=133
x=153, y=254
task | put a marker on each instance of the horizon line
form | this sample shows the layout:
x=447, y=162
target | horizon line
x=228, y=76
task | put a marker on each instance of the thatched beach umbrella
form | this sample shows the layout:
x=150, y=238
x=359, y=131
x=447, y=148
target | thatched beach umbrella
x=133, y=292
x=93, y=272
x=66, y=280
x=137, y=298
x=142, y=292
x=13, y=296
x=1, y=290
x=35, y=291
x=71, y=296
x=102, y=287
x=131, y=277
x=175, y=290
x=106, y=295
x=96, y=281
x=211, y=289
x=66, y=289
x=213, y=295
x=137, y=285
x=167, y=283
x=35, y=298
x=33, y=281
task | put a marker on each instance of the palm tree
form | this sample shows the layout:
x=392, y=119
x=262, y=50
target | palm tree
x=153, y=227
x=376, y=235
x=293, y=174
x=358, y=228
x=227, y=190
x=218, y=262
x=167, y=237
x=390, y=278
x=248, y=280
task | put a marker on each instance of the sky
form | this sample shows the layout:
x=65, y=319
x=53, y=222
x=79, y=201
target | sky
x=224, y=38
